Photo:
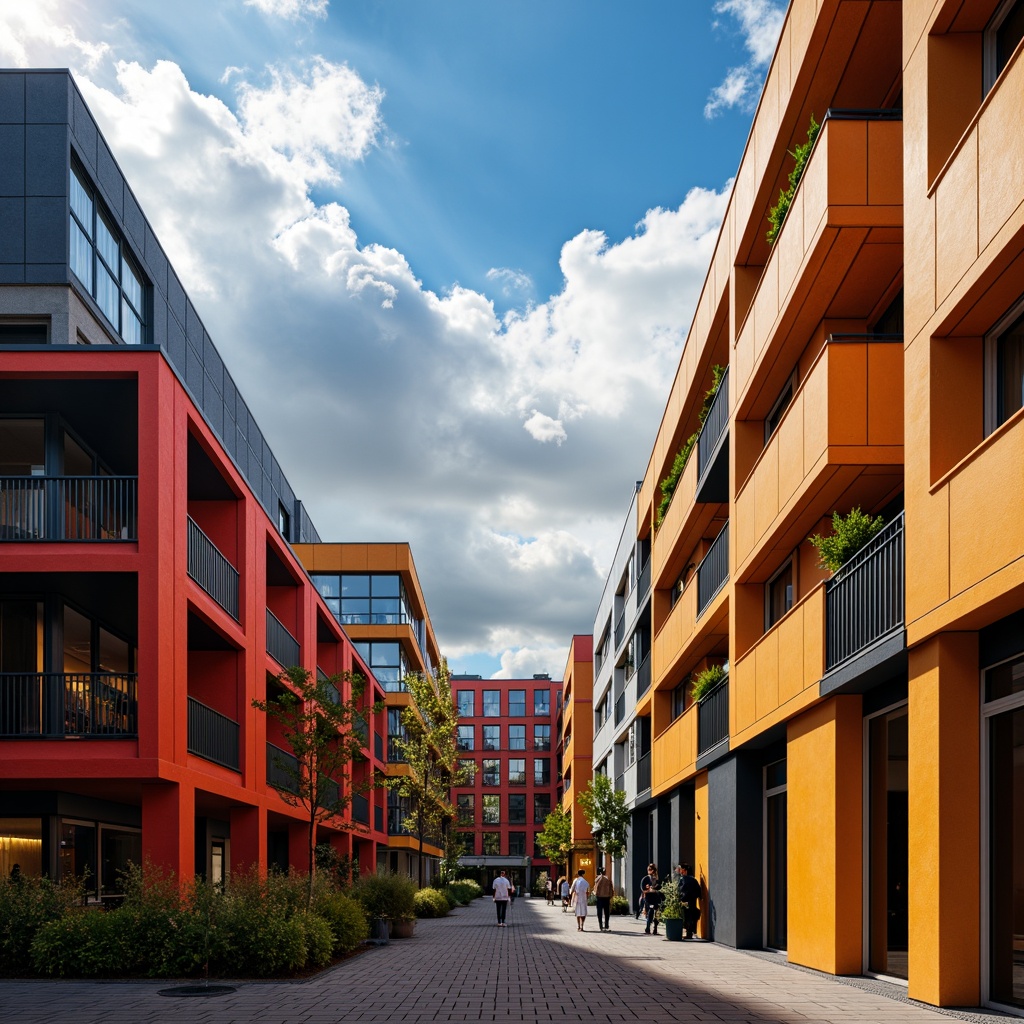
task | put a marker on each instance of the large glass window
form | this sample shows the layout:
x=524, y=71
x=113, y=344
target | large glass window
x=21, y=843
x=517, y=737
x=779, y=595
x=517, y=844
x=492, y=844
x=1004, y=354
x=387, y=662
x=465, y=738
x=517, y=809
x=492, y=703
x=517, y=771
x=516, y=703
x=542, y=702
x=541, y=807
x=542, y=771
x=491, y=771
x=101, y=262
x=492, y=737
x=468, y=843
x=1002, y=36
x=542, y=737
x=466, y=704
x=491, y=809
x=465, y=808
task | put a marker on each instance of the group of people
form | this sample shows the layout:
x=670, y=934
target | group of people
x=652, y=896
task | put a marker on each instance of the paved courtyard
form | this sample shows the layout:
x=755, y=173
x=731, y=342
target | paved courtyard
x=539, y=968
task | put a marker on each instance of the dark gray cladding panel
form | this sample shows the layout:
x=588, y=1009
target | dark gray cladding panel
x=46, y=273
x=12, y=166
x=193, y=326
x=160, y=324
x=46, y=230
x=176, y=343
x=48, y=98
x=214, y=365
x=85, y=132
x=12, y=98
x=156, y=262
x=12, y=273
x=46, y=150
x=176, y=297
x=135, y=223
x=109, y=179
x=12, y=230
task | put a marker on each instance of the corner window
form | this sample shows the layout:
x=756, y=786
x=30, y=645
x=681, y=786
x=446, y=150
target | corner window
x=1002, y=36
x=1004, y=369
x=101, y=262
x=778, y=595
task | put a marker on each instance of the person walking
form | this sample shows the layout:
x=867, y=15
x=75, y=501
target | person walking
x=650, y=886
x=603, y=892
x=549, y=892
x=501, y=887
x=563, y=890
x=580, y=891
x=690, y=894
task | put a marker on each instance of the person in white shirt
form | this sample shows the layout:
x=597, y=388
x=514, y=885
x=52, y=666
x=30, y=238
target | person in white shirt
x=580, y=889
x=502, y=888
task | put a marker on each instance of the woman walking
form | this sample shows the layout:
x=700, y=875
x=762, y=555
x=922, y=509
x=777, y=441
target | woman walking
x=580, y=890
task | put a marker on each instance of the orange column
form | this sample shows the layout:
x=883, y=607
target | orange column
x=944, y=820
x=825, y=829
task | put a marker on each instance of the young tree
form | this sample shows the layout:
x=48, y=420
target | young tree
x=605, y=808
x=324, y=732
x=430, y=751
x=555, y=839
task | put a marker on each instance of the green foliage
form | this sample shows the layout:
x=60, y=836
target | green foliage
x=619, y=905
x=671, y=906
x=555, y=839
x=849, y=534
x=386, y=894
x=318, y=937
x=345, y=918
x=802, y=153
x=84, y=944
x=606, y=810
x=464, y=891
x=706, y=680
x=539, y=883
x=26, y=904
x=431, y=903
x=668, y=485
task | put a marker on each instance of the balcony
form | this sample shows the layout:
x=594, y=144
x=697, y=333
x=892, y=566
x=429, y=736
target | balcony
x=713, y=448
x=69, y=508
x=378, y=746
x=211, y=570
x=713, y=570
x=643, y=679
x=282, y=769
x=644, y=583
x=864, y=600
x=643, y=773
x=713, y=718
x=211, y=735
x=674, y=753
x=56, y=704
x=360, y=809
x=843, y=229
x=378, y=819
x=620, y=708
x=281, y=645
x=620, y=630
x=840, y=443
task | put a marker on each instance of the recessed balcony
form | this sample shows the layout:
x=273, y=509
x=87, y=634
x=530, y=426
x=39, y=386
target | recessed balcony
x=211, y=570
x=674, y=752
x=59, y=704
x=281, y=645
x=282, y=769
x=713, y=719
x=211, y=735
x=68, y=508
x=713, y=448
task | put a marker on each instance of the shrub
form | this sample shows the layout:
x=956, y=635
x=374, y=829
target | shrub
x=386, y=894
x=83, y=944
x=345, y=918
x=619, y=905
x=26, y=904
x=431, y=903
x=777, y=214
x=539, y=883
x=318, y=937
x=705, y=680
x=465, y=891
x=849, y=534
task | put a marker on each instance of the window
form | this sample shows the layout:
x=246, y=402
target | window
x=466, y=704
x=542, y=771
x=465, y=808
x=492, y=771
x=517, y=844
x=517, y=737
x=517, y=771
x=538, y=853
x=465, y=739
x=679, y=699
x=778, y=595
x=373, y=600
x=491, y=809
x=468, y=843
x=386, y=661
x=778, y=410
x=492, y=737
x=1004, y=369
x=542, y=703
x=283, y=521
x=517, y=809
x=24, y=332
x=492, y=844
x=542, y=737
x=492, y=703
x=1002, y=36
x=396, y=731
x=516, y=703
x=541, y=807
x=100, y=260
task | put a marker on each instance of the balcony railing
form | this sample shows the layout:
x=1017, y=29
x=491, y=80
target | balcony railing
x=211, y=570
x=714, y=425
x=620, y=630
x=281, y=645
x=53, y=704
x=378, y=746
x=644, y=583
x=69, y=508
x=360, y=809
x=378, y=819
x=620, y=783
x=211, y=735
x=643, y=773
x=643, y=680
x=282, y=769
x=330, y=794
x=713, y=570
x=864, y=601
x=620, y=708
x=713, y=717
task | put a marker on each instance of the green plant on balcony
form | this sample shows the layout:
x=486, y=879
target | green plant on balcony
x=777, y=214
x=668, y=485
x=849, y=534
x=705, y=681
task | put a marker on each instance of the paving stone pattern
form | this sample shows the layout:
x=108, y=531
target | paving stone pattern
x=539, y=968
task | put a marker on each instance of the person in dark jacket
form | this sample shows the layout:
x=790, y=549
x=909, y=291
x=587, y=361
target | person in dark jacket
x=650, y=886
x=690, y=894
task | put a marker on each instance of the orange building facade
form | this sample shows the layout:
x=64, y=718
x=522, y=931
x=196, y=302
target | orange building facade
x=576, y=747
x=850, y=791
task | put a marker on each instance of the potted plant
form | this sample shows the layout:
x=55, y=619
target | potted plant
x=672, y=912
x=849, y=534
x=706, y=680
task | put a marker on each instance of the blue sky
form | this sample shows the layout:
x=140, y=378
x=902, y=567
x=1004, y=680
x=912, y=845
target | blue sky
x=467, y=236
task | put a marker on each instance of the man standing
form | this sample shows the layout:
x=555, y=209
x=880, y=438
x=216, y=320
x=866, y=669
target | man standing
x=690, y=894
x=603, y=892
x=501, y=887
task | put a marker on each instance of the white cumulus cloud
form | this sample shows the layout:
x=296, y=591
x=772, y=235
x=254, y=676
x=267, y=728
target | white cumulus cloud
x=290, y=9
x=759, y=22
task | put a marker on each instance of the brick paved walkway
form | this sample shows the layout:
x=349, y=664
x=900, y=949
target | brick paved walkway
x=539, y=968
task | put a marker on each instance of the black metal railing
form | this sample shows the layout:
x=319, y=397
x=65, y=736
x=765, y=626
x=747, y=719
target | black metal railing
x=713, y=717
x=643, y=678
x=50, y=704
x=714, y=425
x=360, y=809
x=620, y=629
x=211, y=570
x=713, y=570
x=76, y=508
x=644, y=583
x=395, y=755
x=864, y=600
x=282, y=769
x=620, y=708
x=211, y=735
x=281, y=645
x=378, y=746
x=643, y=773
x=620, y=783
x=330, y=795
